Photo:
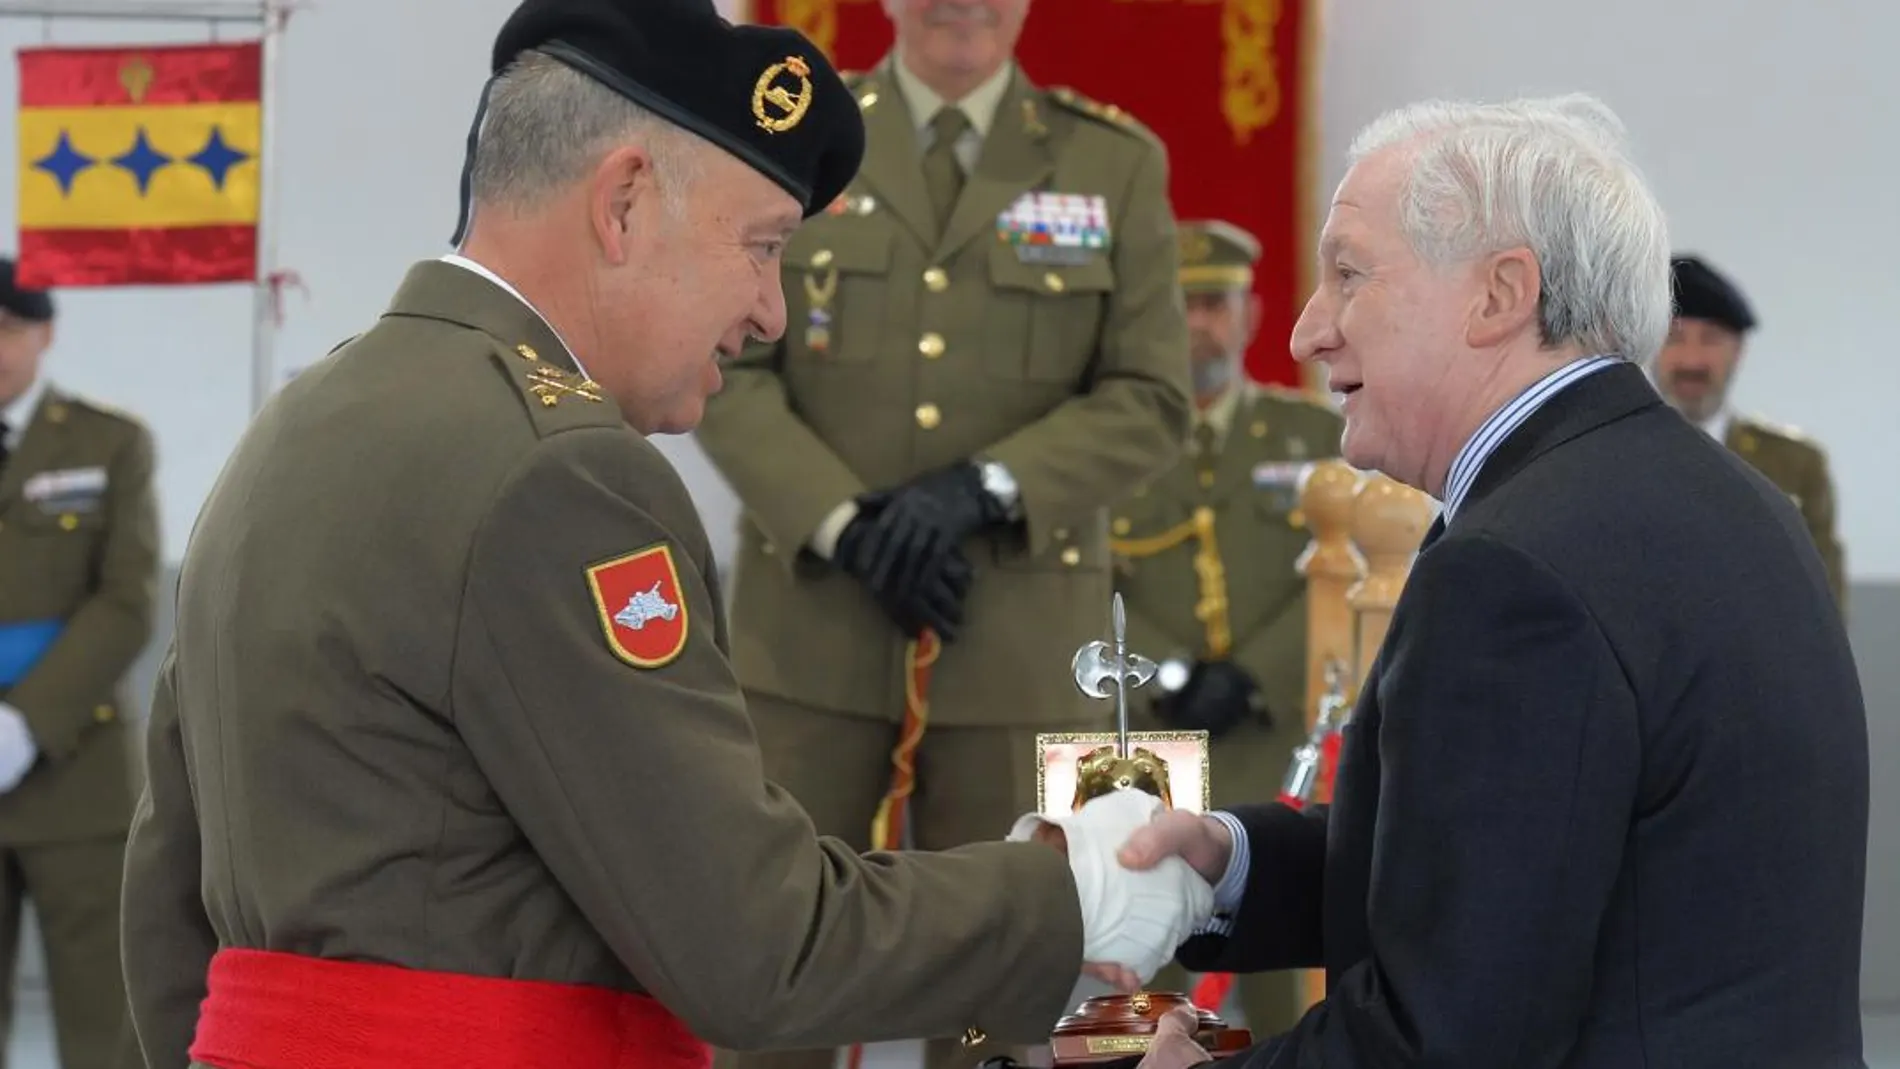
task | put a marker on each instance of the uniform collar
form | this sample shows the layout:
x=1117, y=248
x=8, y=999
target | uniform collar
x=19, y=412
x=1220, y=414
x=464, y=262
x=979, y=106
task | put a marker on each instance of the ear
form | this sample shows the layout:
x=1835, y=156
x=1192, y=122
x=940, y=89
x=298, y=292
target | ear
x=1511, y=286
x=1250, y=313
x=621, y=179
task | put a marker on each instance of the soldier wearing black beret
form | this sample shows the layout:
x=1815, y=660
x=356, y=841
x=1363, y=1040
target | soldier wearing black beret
x=1695, y=373
x=448, y=766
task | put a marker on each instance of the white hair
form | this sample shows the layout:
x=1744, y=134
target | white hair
x=547, y=123
x=1552, y=174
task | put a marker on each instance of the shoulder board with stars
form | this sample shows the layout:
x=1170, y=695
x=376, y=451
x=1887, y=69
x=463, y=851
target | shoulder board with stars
x=1109, y=114
x=95, y=407
x=556, y=396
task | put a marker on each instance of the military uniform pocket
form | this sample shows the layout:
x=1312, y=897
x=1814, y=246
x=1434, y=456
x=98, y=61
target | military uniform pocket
x=1044, y=320
x=834, y=296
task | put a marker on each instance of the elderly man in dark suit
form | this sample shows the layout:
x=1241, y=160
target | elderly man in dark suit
x=1603, y=799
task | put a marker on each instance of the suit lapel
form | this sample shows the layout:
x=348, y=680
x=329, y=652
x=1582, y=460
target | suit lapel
x=38, y=446
x=1015, y=159
x=893, y=166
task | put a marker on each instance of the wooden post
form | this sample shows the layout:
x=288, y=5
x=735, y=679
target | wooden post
x=1389, y=520
x=1331, y=566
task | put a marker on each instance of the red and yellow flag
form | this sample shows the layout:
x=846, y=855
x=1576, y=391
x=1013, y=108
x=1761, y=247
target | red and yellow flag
x=139, y=165
x=1229, y=85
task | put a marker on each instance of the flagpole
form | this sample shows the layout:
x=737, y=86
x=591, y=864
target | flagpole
x=276, y=14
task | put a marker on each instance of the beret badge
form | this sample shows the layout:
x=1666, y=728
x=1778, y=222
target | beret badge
x=777, y=107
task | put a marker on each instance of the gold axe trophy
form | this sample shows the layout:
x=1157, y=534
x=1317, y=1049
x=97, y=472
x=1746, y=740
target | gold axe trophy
x=1113, y=1027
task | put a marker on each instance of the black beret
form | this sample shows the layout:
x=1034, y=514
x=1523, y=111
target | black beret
x=766, y=94
x=1702, y=293
x=33, y=305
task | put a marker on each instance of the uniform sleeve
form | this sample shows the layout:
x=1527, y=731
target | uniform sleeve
x=110, y=629
x=166, y=938
x=1818, y=509
x=642, y=788
x=1509, y=753
x=789, y=479
x=1132, y=423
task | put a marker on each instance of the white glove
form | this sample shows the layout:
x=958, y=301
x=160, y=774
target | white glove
x=18, y=751
x=1136, y=919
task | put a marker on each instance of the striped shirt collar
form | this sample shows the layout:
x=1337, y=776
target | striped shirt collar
x=1492, y=433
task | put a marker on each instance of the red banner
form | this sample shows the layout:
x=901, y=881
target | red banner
x=139, y=165
x=1229, y=85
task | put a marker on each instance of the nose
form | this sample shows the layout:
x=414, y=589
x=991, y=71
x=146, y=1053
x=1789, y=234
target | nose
x=768, y=314
x=1316, y=333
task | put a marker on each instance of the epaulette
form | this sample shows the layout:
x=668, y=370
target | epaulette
x=1289, y=394
x=556, y=398
x=101, y=408
x=1785, y=431
x=1108, y=114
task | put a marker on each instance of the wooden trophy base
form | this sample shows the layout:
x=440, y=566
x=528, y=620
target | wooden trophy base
x=1114, y=1027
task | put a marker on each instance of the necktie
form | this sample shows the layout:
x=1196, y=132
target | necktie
x=943, y=175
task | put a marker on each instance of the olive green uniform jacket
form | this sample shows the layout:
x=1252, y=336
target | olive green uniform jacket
x=1071, y=374
x=78, y=549
x=1798, y=465
x=398, y=724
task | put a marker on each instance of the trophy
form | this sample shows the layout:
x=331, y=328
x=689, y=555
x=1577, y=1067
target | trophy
x=1114, y=1027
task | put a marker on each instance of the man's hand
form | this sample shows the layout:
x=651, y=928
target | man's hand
x=1174, y=1046
x=1132, y=921
x=1218, y=696
x=1203, y=842
x=919, y=584
x=943, y=506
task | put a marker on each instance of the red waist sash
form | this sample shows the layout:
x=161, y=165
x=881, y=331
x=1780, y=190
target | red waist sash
x=267, y=1010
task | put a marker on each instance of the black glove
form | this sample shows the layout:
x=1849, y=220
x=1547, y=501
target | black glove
x=943, y=506
x=918, y=586
x=1218, y=696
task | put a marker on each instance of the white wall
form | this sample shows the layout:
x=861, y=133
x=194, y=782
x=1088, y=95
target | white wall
x=1765, y=125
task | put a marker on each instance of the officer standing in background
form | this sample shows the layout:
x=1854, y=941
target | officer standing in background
x=1206, y=559
x=78, y=573
x=985, y=350
x=1695, y=372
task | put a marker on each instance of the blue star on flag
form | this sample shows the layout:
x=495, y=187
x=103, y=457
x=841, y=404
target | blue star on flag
x=217, y=158
x=143, y=161
x=64, y=163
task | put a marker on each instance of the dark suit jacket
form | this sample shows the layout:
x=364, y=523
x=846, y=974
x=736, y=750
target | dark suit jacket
x=1603, y=799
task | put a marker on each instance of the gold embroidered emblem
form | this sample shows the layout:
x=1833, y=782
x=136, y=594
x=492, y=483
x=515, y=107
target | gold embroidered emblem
x=787, y=106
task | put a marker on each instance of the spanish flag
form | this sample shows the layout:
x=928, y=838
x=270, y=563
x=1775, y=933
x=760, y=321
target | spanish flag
x=139, y=165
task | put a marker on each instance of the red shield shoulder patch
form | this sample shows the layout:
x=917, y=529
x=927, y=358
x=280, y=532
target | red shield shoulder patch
x=641, y=611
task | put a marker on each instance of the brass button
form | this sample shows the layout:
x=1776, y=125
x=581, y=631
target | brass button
x=865, y=101
x=937, y=279
x=767, y=548
x=1054, y=282
x=103, y=714
x=68, y=521
x=973, y=1036
x=1121, y=526
x=821, y=258
x=1061, y=534
x=928, y=416
x=931, y=345
x=1259, y=428
x=1071, y=556
x=1207, y=479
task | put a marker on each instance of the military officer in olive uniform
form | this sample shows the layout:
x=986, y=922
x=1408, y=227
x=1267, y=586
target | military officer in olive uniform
x=448, y=767
x=78, y=575
x=1206, y=561
x=1695, y=373
x=985, y=348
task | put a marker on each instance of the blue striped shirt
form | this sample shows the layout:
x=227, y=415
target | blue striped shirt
x=1464, y=473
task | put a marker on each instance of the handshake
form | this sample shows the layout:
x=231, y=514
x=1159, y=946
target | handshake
x=1145, y=881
